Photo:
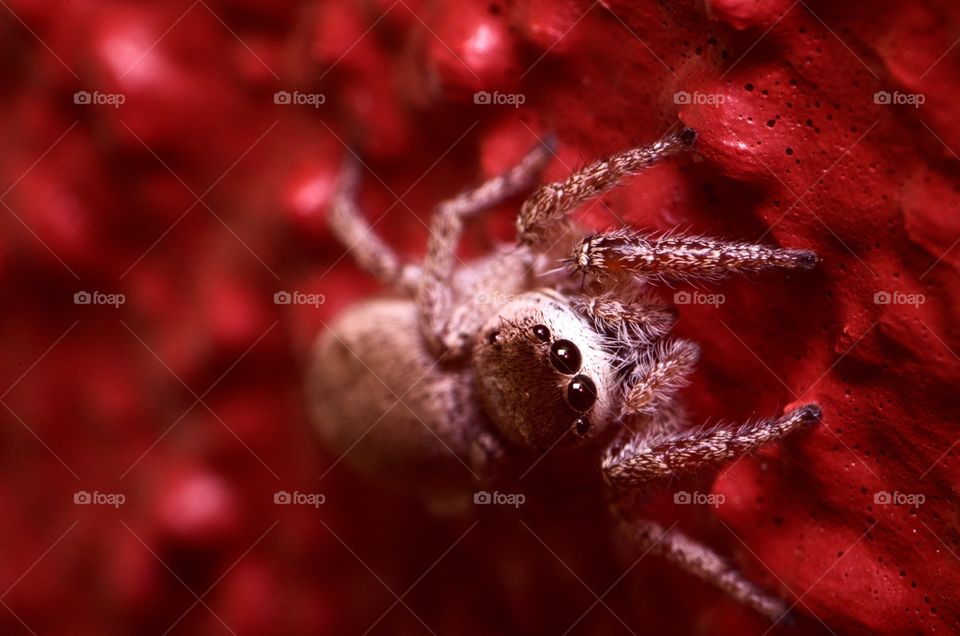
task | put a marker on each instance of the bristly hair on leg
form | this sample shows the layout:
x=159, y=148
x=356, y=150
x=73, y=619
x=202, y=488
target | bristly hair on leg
x=627, y=252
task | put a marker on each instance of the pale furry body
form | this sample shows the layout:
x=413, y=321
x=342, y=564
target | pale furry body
x=470, y=366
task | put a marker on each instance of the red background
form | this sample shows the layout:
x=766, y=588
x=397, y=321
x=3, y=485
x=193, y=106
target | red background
x=186, y=399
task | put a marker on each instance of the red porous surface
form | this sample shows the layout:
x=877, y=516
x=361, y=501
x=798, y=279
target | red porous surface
x=824, y=126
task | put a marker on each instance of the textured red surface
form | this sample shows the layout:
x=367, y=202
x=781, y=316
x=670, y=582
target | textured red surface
x=797, y=152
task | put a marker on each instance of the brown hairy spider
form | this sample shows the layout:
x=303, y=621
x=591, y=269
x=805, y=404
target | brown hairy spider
x=505, y=356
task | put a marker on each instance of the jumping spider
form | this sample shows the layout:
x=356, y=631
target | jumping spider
x=471, y=365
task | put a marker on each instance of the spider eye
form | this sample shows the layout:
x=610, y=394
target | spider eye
x=581, y=394
x=493, y=337
x=565, y=357
x=581, y=426
x=541, y=332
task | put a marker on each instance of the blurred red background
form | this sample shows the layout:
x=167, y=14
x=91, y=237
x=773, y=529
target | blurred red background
x=182, y=155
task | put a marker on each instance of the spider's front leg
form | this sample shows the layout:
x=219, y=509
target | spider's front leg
x=434, y=295
x=630, y=252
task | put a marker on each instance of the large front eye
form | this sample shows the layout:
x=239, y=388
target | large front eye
x=581, y=393
x=565, y=357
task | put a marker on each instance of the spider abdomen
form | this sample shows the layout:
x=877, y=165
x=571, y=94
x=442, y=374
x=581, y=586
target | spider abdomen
x=382, y=403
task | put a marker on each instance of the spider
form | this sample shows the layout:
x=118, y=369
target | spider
x=506, y=356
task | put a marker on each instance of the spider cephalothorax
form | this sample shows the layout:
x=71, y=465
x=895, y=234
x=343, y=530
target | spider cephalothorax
x=467, y=366
x=542, y=371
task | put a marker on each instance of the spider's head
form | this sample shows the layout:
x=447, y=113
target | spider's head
x=543, y=372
